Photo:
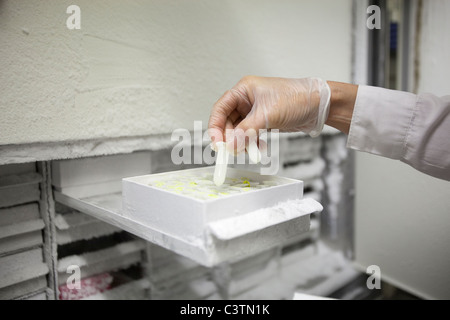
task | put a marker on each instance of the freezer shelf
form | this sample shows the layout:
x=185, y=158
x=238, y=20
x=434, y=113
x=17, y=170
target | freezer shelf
x=208, y=231
x=108, y=208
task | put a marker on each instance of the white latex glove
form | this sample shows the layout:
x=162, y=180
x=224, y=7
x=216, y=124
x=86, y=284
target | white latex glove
x=290, y=105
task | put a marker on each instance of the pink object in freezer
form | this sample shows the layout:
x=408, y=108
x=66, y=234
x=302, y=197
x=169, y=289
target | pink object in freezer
x=89, y=286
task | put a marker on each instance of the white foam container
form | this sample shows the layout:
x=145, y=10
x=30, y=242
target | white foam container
x=224, y=228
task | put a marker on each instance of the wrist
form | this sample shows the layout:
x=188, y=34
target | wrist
x=343, y=97
x=323, y=96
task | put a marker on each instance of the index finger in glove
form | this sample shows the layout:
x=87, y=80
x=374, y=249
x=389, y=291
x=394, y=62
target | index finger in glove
x=226, y=113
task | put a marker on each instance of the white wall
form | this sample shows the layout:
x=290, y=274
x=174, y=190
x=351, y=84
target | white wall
x=139, y=68
x=403, y=216
x=435, y=48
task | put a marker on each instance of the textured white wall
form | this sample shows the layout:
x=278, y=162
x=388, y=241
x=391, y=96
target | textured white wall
x=140, y=68
x=403, y=216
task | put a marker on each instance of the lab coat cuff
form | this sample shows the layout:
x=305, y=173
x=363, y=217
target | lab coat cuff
x=381, y=121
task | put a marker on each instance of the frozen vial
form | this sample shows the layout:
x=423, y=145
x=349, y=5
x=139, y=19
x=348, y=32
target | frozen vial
x=220, y=171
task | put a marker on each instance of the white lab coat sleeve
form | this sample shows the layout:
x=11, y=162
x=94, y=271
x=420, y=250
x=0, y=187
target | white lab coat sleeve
x=414, y=129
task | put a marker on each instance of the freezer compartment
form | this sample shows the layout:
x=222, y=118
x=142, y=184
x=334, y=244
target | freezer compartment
x=209, y=231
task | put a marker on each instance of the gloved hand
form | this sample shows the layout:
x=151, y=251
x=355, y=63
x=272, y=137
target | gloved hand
x=290, y=105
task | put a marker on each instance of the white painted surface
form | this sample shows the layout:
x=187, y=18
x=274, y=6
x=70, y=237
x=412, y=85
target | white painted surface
x=140, y=68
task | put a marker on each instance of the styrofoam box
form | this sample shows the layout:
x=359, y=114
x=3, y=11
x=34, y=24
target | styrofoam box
x=221, y=227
